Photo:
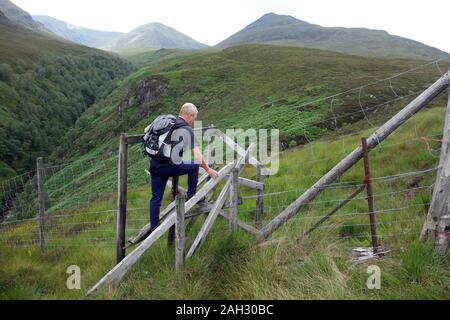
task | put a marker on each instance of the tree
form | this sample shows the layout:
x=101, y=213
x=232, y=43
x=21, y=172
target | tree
x=6, y=73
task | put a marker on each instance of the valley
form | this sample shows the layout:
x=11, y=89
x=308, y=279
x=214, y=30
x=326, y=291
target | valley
x=68, y=92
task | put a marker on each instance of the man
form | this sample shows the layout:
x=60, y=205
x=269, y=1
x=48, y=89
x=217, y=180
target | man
x=183, y=139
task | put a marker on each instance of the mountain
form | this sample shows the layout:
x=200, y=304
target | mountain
x=156, y=36
x=89, y=37
x=148, y=36
x=277, y=29
x=20, y=42
x=46, y=83
x=19, y=16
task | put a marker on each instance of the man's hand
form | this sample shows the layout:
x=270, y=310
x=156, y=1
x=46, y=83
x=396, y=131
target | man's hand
x=212, y=173
x=199, y=158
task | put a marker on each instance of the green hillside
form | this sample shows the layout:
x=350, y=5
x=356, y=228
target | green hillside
x=255, y=86
x=286, y=30
x=233, y=265
x=45, y=85
x=19, y=42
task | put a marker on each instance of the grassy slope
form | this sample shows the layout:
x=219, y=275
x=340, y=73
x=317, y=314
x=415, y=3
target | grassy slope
x=148, y=57
x=239, y=88
x=35, y=64
x=27, y=44
x=233, y=266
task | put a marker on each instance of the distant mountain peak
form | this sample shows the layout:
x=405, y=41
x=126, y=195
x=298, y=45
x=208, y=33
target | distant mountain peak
x=273, y=15
x=19, y=16
x=156, y=35
x=73, y=27
x=272, y=19
x=286, y=30
x=151, y=26
x=88, y=37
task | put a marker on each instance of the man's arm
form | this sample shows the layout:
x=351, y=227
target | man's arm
x=199, y=158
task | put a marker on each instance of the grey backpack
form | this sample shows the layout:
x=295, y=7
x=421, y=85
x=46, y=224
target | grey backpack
x=157, y=138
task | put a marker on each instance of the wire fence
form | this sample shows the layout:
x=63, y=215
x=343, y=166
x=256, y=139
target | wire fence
x=81, y=196
x=83, y=224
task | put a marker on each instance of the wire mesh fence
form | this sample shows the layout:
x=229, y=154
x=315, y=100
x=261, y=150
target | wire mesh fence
x=81, y=197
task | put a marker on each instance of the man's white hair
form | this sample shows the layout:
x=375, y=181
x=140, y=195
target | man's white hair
x=188, y=109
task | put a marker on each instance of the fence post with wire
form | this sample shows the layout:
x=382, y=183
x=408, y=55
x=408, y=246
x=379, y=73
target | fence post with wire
x=437, y=225
x=345, y=164
x=42, y=196
x=368, y=183
x=122, y=196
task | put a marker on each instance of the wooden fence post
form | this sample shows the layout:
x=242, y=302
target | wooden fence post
x=41, y=195
x=259, y=198
x=119, y=271
x=209, y=149
x=171, y=233
x=368, y=183
x=437, y=225
x=179, y=233
x=122, y=196
x=234, y=198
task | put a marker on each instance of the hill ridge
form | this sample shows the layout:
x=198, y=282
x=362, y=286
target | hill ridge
x=89, y=37
x=19, y=16
x=156, y=35
x=277, y=29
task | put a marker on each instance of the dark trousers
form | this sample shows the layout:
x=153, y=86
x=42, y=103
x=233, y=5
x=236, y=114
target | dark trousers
x=159, y=176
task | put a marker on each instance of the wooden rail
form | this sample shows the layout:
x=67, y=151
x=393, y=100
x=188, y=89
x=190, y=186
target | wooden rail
x=218, y=206
x=119, y=271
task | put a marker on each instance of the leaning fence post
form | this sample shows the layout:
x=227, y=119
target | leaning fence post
x=332, y=212
x=179, y=233
x=41, y=195
x=353, y=157
x=234, y=198
x=437, y=225
x=368, y=183
x=259, y=197
x=122, y=196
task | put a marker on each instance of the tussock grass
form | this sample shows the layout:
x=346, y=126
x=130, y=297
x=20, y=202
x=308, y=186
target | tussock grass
x=234, y=266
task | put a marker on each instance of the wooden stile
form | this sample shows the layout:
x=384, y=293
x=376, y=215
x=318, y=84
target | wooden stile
x=119, y=271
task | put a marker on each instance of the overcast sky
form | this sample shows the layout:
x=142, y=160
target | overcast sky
x=211, y=21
